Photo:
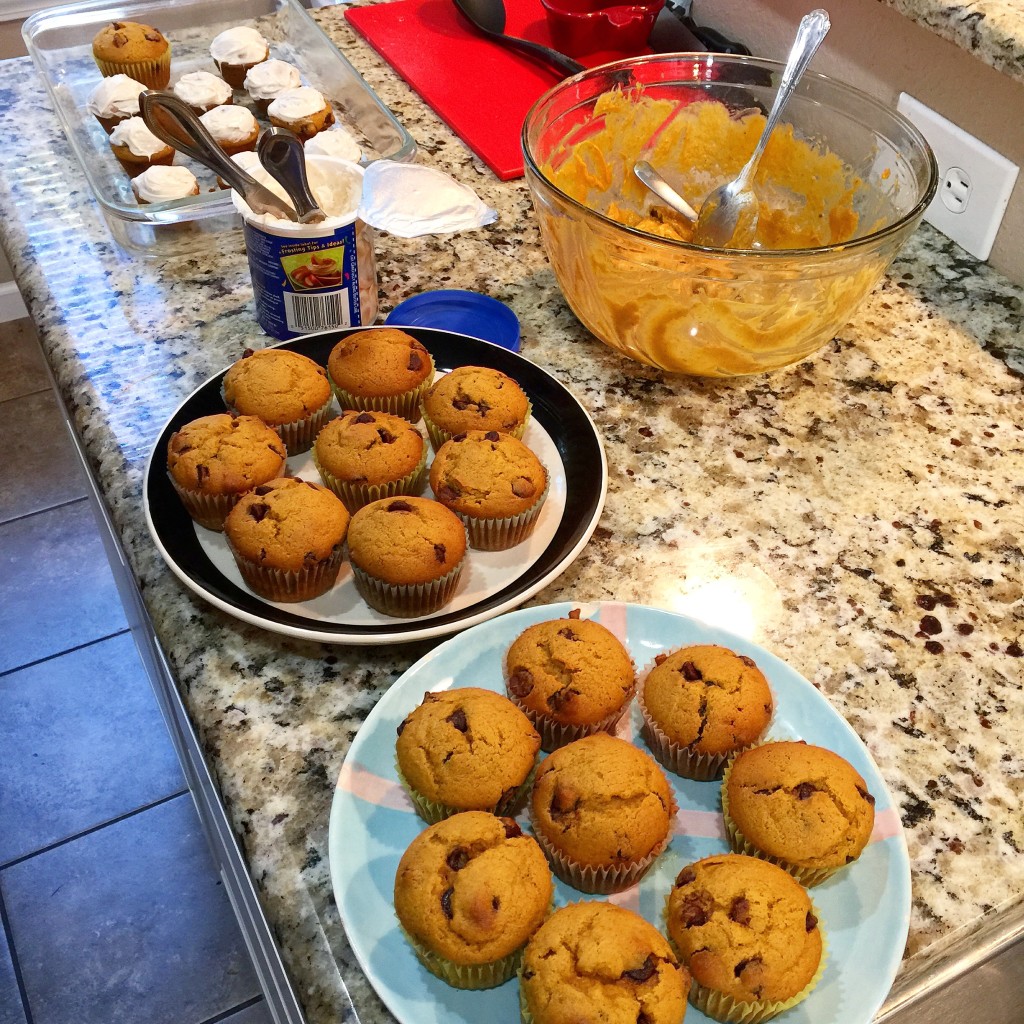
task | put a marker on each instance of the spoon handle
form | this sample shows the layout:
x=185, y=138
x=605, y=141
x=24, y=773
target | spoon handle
x=545, y=53
x=281, y=154
x=663, y=190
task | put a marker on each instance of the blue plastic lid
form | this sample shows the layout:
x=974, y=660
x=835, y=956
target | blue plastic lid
x=451, y=309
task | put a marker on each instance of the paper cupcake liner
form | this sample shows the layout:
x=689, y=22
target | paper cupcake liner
x=807, y=877
x=299, y=435
x=209, y=510
x=500, y=534
x=467, y=976
x=684, y=760
x=234, y=74
x=606, y=879
x=431, y=811
x=356, y=495
x=438, y=435
x=406, y=405
x=288, y=586
x=152, y=73
x=407, y=600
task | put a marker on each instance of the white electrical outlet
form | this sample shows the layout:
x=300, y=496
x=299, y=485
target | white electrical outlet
x=975, y=181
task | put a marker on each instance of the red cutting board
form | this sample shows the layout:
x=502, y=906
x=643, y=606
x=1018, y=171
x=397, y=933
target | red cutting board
x=479, y=88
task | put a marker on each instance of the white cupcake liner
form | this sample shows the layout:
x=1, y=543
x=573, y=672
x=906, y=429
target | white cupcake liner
x=407, y=600
x=467, y=976
x=288, y=586
x=500, y=534
x=356, y=495
x=438, y=435
x=432, y=811
x=209, y=510
x=298, y=435
x=406, y=405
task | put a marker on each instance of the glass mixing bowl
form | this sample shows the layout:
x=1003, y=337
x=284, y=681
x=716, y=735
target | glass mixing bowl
x=865, y=170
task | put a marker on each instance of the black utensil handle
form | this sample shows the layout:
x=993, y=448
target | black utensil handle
x=714, y=40
x=545, y=53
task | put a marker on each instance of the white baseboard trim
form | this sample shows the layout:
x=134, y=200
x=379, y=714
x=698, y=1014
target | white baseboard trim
x=11, y=305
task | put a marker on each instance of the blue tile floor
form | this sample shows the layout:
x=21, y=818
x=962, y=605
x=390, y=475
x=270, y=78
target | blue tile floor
x=111, y=908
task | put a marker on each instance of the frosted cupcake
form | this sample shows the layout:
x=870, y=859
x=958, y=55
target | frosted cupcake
x=114, y=100
x=162, y=184
x=336, y=142
x=236, y=51
x=233, y=128
x=203, y=91
x=303, y=111
x=137, y=148
x=266, y=81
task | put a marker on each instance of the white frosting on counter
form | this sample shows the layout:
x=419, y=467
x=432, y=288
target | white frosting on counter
x=239, y=45
x=202, y=90
x=266, y=80
x=295, y=103
x=134, y=134
x=159, y=184
x=116, y=96
x=230, y=123
x=336, y=142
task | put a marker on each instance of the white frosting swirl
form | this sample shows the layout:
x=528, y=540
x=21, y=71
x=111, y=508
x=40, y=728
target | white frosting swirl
x=266, y=80
x=117, y=96
x=230, y=124
x=336, y=142
x=202, y=90
x=238, y=46
x=134, y=134
x=159, y=184
x=293, y=104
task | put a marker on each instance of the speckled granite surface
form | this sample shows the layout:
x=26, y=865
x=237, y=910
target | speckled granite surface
x=860, y=513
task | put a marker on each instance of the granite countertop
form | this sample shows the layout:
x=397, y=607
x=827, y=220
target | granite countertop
x=861, y=512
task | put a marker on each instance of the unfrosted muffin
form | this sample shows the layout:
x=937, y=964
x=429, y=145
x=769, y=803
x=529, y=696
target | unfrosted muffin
x=802, y=807
x=474, y=398
x=701, y=704
x=160, y=184
x=465, y=749
x=304, y=111
x=139, y=51
x=493, y=483
x=203, y=91
x=285, y=389
x=599, y=962
x=407, y=555
x=236, y=51
x=383, y=368
x=572, y=677
x=603, y=811
x=268, y=80
x=469, y=893
x=214, y=460
x=749, y=935
x=287, y=537
x=233, y=128
x=114, y=100
x=364, y=456
x=137, y=148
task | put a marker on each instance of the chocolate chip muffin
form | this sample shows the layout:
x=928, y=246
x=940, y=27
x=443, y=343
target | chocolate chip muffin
x=469, y=893
x=802, y=807
x=466, y=749
x=702, y=704
x=212, y=461
x=599, y=962
x=139, y=51
x=749, y=935
x=285, y=389
x=407, y=555
x=287, y=537
x=493, y=483
x=572, y=677
x=474, y=398
x=365, y=456
x=603, y=811
x=381, y=369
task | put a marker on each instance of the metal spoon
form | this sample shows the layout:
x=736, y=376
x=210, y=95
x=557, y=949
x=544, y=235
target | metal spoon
x=728, y=217
x=488, y=17
x=173, y=121
x=663, y=190
x=281, y=153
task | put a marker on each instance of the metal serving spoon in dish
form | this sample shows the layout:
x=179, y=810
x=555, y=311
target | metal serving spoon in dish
x=488, y=17
x=173, y=121
x=281, y=154
x=728, y=217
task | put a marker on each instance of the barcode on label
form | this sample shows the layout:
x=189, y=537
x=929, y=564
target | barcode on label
x=317, y=312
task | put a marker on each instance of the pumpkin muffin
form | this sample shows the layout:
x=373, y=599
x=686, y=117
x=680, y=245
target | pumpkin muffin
x=236, y=51
x=303, y=111
x=603, y=811
x=493, y=483
x=214, y=460
x=203, y=91
x=283, y=388
x=407, y=555
x=598, y=962
x=137, y=148
x=802, y=807
x=161, y=184
x=114, y=100
x=702, y=704
x=572, y=677
x=268, y=80
x=287, y=536
x=749, y=935
x=381, y=369
x=474, y=398
x=465, y=749
x=232, y=127
x=469, y=893
x=139, y=51
x=365, y=456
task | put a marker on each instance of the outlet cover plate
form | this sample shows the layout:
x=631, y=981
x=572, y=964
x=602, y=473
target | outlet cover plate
x=975, y=181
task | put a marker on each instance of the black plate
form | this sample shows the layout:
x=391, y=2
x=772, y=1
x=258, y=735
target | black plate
x=555, y=410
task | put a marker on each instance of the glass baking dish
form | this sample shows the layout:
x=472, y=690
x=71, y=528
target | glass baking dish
x=60, y=42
